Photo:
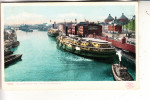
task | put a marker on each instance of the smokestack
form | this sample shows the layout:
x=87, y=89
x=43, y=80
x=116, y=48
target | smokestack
x=75, y=30
x=75, y=20
x=53, y=25
x=66, y=31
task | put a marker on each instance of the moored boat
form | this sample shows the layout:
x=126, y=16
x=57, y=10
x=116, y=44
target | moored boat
x=120, y=73
x=6, y=53
x=53, y=32
x=15, y=44
x=87, y=47
x=11, y=59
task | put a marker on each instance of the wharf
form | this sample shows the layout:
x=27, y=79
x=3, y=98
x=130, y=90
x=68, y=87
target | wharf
x=120, y=36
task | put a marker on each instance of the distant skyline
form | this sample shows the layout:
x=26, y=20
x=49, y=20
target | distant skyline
x=43, y=14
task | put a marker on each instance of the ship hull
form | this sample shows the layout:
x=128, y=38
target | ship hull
x=12, y=60
x=53, y=34
x=6, y=53
x=85, y=53
x=15, y=44
x=117, y=78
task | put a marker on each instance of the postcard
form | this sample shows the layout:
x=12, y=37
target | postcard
x=69, y=45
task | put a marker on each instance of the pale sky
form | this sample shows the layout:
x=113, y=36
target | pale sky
x=43, y=14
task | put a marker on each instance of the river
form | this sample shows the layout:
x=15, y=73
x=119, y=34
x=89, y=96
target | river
x=43, y=61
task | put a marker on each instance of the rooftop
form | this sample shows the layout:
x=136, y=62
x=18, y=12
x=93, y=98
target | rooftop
x=123, y=16
x=110, y=17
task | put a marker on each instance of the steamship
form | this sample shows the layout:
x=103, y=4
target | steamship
x=87, y=47
x=53, y=32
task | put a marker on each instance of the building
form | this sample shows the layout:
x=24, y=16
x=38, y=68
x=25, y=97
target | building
x=87, y=29
x=115, y=25
x=123, y=19
x=109, y=19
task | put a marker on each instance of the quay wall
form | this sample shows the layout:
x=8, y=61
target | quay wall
x=120, y=44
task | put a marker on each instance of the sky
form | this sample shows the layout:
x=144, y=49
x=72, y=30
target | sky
x=43, y=14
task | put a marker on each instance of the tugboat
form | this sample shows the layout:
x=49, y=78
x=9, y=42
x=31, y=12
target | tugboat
x=12, y=58
x=120, y=73
x=87, y=47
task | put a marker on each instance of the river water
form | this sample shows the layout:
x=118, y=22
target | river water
x=43, y=61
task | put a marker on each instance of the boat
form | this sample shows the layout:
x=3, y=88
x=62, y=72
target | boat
x=87, y=47
x=15, y=44
x=53, y=32
x=120, y=73
x=6, y=53
x=12, y=58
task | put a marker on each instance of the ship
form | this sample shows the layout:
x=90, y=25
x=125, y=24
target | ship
x=12, y=58
x=53, y=32
x=120, y=73
x=93, y=30
x=87, y=47
x=6, y=53
x=15, y=44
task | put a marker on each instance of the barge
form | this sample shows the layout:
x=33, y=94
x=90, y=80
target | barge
x=87, y=47
x=11, y=59
x=6, y=53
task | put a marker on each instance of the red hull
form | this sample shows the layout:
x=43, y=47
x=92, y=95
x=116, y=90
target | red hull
x=119, y=44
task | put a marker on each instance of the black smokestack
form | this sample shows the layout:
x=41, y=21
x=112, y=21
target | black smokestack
x=53, y=25
x=75, y=30
x=66, y=31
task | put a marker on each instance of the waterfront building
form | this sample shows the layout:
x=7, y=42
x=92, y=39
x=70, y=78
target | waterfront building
x=69, y=25
x=109, y=19
x=123, y=19
x=84, y=29
x=74, y=28
x=87, y=29
x=60, y=27
x=115, y=25
x=104, y=27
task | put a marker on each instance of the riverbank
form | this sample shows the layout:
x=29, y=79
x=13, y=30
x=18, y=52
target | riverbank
x=120, y=36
